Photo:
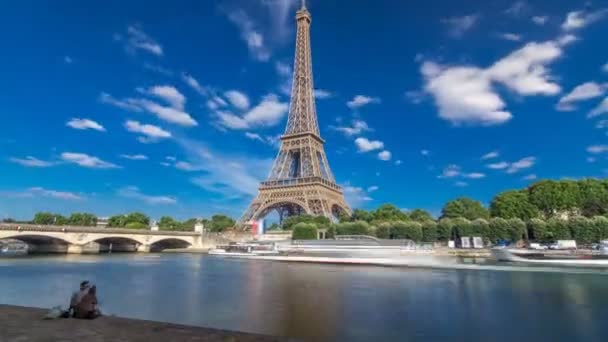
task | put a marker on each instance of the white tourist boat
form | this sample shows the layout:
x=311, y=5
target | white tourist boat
x=245, y=249
x=544, y=258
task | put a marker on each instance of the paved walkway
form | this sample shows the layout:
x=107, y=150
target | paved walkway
x=19, y=324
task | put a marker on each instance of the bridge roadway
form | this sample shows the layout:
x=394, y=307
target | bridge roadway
x=72, y=239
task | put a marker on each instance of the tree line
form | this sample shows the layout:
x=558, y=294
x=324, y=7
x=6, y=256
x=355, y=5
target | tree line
x=134, y=220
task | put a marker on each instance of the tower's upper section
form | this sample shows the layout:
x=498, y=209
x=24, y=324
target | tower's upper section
x=302, y=112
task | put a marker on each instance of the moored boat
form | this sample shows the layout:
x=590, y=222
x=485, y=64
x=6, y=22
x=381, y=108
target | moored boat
x=549, y=259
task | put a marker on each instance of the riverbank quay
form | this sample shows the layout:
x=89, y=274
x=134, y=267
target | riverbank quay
x=26, y=324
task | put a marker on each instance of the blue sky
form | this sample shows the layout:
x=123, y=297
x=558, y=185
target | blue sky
x=176, y=107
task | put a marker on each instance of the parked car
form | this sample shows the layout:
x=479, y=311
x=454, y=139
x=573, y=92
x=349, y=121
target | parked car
x=538, y=246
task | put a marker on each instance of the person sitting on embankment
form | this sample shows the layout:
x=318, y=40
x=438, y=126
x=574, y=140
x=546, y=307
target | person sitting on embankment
x=77, y=296
x=87, y=308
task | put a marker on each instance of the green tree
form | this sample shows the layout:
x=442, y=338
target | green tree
x=406, y=230
x=552, y=197
x=429, y=231
x=513, y=204
x=82, y=219
x=136, y=225
x=219, y=223
x=188, y=225
x=557, y=229
x=499, y=229
x=516, y=229
x=444, y=229
x=319, y=221
x=361, y=215
x=582, y=230
x=44, y=218
x=464, y=207
x=461, y=227
x=168, y=223
x=304, y=231
x=117, y=221
x=600, y=224
x=480, y=227
x=420, y=215
x=353, y=228
x=383, y=231
x=137, y=217
x=594, y=197
x=389, y=212
x=537, y=230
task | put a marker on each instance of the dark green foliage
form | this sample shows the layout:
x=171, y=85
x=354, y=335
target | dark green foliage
x=537, y=230
x=383, y=231
x=117, y=221
x=136, y=225
x=464, y=207
x=513, y=204
x=188, y=225
x=319, y=221
x=516, y=229
x=600, y=227
x=461, y=227
x=353, y=228
x=429, y=231
x=361, y=215
x=444, y=229
x=219, y=223
x=557, y=229
x=304, y=231
x=499, y=229
x=46, y=218
x=407, y=230
x=168, y=223
x=331, y=232
x=82, y=219
x=582, y=229
x=137, y=217
x=420, y=215
x=133, y=220
x=389, y=212
x=480, y=227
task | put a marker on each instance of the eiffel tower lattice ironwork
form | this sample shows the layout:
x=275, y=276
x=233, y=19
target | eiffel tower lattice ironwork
x=300, y=181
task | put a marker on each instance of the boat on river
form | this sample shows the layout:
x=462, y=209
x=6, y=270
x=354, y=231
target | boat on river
x=12, y=248
x=239, y=249
x=547, y=258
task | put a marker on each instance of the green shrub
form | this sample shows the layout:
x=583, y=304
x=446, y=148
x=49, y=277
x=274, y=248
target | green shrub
x=444, y=229
x=537, y=230
x=406, y=230
x=582, y=229
x=461, y=227
x=499, y=229
x=600, y=224
x=353, y=228
x=557, y=229
x=304, y=231
x=429, y=231
x=136, y=225
x=383, y=231
x=516, y=229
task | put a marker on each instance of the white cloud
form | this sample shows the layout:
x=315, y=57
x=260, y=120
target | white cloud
x=521, y=164
x=458, y=26
x=42, y=192
x=415, y=96
x=540, y=19
x=361, y=100
x=194, y=84
x=169, y=114
x=322, y=94
x=85, y=160
x=372, y=188
x=85, y=124
x=251, y=35
x=465, y=94
x=30, y=161
x=365, y=145
x=597, y=149
x=169, y=94
x=425, y=152
x=605, y=67
x=128, y=104
x=474, y=175
x=450, y=171
x=134, y=193
x=461, y=184
x=582, y=92
x=150, y=133
x=267, y=113
x=566, y=39
x=498, y=166
x=357, y=127
x=134, y=156
x=171, y=158
x=355, y=196
x=517, y=9
x=185, y=166
x=237, y=99
x=282, y=69
x=158, y=69
x=599, y=109
x=385, y=155
x=490, y=155
x=530, y=177
x=511, y=36
x=137, y=39
x=398, y=162
x=579, y=19
x=254, y=136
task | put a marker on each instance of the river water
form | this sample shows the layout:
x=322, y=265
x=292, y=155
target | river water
x=329, y=302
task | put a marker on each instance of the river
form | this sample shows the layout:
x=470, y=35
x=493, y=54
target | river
x=322, y=301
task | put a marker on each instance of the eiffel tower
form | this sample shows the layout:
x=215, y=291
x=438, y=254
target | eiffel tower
x=300, y=181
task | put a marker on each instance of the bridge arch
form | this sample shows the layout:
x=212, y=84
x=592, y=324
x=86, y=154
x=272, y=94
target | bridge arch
x=37, y=238
x=169, y=243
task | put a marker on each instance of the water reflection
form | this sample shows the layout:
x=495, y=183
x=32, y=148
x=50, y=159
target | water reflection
x=322, y=301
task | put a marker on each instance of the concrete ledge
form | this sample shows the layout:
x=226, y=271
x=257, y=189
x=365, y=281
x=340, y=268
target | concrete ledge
x=26, y=324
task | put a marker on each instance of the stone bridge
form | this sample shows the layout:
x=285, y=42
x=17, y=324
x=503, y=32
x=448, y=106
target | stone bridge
x=72, y=239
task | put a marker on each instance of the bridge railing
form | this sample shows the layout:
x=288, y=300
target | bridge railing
x=79, y=229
